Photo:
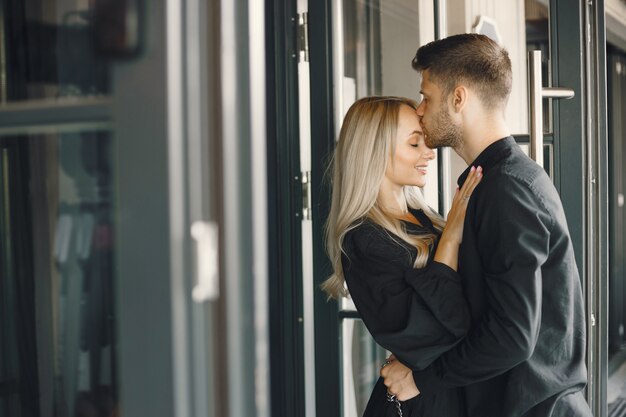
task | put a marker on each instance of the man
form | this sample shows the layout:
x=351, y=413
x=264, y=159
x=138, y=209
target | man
x=525, y=354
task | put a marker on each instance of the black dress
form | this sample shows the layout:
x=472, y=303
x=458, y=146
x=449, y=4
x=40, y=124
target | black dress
x=415, y=313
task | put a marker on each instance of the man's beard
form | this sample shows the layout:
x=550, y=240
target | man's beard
x=443, y=132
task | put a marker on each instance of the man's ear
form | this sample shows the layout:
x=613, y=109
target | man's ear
x=459, y=98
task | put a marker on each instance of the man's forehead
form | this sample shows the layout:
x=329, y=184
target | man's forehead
x=425, y=81
x=426, y=76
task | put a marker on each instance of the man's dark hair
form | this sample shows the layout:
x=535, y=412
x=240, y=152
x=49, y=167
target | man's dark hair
x=471, y=58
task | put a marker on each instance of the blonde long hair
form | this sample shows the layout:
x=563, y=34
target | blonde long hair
x=365, y=146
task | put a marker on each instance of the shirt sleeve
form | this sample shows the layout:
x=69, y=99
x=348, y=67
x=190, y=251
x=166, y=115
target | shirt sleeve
x=415, y=313
x=513, y=233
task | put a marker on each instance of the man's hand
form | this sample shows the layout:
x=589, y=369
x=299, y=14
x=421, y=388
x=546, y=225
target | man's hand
x=399, y=380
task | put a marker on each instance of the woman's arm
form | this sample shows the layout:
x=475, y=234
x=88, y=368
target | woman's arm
x=415, y=313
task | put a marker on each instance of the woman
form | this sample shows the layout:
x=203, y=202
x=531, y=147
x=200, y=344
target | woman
x=395, y=255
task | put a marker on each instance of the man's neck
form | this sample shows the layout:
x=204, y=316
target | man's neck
x=479, y=136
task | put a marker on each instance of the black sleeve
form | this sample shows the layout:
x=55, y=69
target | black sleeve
x=514, y=236
x=415, y=313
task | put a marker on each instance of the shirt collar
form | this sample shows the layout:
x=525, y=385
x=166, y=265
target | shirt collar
x=491, y=155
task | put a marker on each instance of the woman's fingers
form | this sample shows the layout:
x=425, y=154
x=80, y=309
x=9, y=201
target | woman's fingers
x=462, y=195
x=472, y=180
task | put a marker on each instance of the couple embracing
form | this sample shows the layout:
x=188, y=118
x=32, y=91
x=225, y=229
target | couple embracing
x=483, y=312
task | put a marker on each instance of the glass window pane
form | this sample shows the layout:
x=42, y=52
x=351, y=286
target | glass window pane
x=57, y=324
x=520, y=26
x=361, y=361
x=538, y=39
x=47, y=51
x=379, y=37
x=378, y=40
x=616, y=99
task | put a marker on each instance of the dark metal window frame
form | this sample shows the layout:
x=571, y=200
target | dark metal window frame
x=284, y=208
x=327, y=343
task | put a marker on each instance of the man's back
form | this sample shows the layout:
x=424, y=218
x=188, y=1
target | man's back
x=525, y=353
x=524, y=292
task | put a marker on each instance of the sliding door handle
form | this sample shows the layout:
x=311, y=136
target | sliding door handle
x=205, y=235
x=557, y=92
x=537, y=93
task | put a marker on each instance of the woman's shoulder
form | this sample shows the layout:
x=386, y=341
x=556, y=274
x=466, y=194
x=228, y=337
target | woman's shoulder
x=365, y=230
x=370, y=238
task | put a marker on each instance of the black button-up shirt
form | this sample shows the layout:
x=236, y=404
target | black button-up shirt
x=525, y=353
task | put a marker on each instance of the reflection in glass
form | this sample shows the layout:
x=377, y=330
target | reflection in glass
x=362, y=359
x=538, y=39
x=47, y=51
x=616, y=103
x=379, y=41
x=58, y=347
x=538, y=28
